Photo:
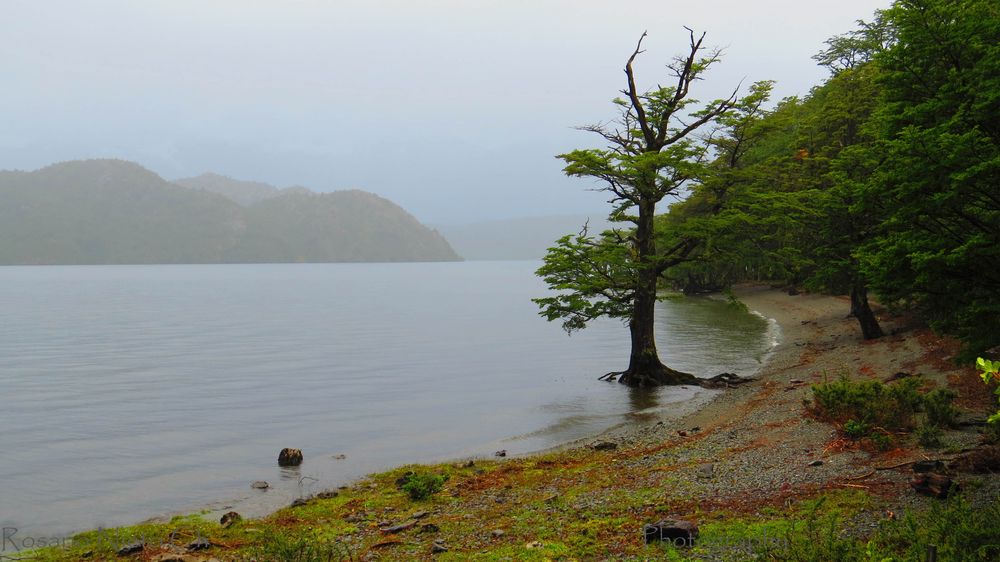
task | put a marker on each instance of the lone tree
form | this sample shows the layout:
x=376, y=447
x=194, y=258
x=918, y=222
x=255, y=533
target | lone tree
x=652, y=154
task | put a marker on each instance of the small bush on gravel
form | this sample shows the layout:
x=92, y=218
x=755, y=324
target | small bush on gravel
x=855, y=429
x=881, y=441
x=868, y=402
x=422, y=485
x=929, y=435
x=938, y=405
x=873, y=410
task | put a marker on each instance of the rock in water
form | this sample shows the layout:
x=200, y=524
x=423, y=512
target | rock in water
x=260, y=485
x=679, y=533
x=290, y=457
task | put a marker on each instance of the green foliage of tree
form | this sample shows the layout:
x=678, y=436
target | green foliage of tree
x=790, y=209
x=990, y=373
x=885, y=176
x=718, y=212
x=651, y=154
x=593, y=276
x=937, y=185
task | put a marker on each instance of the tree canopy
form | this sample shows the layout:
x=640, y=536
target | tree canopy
x=653, y=152
x=885, y=178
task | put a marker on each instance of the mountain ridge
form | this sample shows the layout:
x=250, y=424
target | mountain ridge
x=110, y=211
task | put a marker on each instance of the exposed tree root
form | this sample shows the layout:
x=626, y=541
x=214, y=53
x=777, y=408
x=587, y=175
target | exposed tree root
x=724, y=380
x=656, y=375
x=667, y=376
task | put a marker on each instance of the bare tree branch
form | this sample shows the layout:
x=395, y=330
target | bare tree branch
x=633, y=94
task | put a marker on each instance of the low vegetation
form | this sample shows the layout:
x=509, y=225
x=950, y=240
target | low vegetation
x=421, y=484
x=820, y=528
x=953, y=530
x=876, y=412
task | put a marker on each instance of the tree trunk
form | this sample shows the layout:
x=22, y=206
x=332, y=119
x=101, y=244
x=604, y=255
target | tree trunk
x=861, y=310
x=645, y=367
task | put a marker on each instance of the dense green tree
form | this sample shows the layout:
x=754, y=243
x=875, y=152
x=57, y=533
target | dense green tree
x=937, y=186
x=791, y=207
x=842, y=226
x=652, y=153
x=715, y=212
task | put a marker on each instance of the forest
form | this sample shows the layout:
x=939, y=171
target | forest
x=883, y=181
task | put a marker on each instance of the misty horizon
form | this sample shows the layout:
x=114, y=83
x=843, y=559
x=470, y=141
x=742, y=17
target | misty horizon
x=453, y=111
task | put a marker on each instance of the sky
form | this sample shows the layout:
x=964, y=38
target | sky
x=453, y=109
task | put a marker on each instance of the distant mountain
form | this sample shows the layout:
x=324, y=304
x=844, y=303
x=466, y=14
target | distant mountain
x=245, y=193
x=516, y=239
x=111, y=211
x=342, y=226
x=117, y=212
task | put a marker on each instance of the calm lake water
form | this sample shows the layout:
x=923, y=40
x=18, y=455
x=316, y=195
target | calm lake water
x=136, y=391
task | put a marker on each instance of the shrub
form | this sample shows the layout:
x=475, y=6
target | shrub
x=422, y=485
x=881, y=441
x=871, y=403
x=855, y=429
x=940, y=412
x=929, y=435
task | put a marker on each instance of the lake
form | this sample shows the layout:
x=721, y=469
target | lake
x=136, y=391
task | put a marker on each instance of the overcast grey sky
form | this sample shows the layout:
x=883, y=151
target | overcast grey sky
x=453, y=109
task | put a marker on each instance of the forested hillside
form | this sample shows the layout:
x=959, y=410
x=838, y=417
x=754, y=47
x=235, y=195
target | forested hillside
x=243, y=192
x=117, y=212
